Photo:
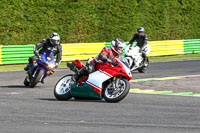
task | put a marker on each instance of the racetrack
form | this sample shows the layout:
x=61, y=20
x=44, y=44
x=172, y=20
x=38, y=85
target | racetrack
x=34, y=110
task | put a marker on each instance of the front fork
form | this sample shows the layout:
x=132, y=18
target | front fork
x=31, y=71
x=28, y=76
x=115, y=83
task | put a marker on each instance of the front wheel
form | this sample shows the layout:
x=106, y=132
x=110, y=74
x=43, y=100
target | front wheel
x=115, y=93
x=26, y=82
x=63, y=87
x=38, y=76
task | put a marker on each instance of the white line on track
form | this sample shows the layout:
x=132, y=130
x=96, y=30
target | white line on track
x=185, y=76
x=164, y=94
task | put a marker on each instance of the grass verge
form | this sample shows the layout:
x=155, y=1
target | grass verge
x=152, y=59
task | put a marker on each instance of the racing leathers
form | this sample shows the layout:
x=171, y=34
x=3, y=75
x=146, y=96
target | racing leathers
x=106, y=56
x=141, y=42
x=46, y=45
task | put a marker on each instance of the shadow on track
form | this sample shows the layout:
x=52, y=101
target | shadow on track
x=14, y=86
x=48, y=99
x=73, y=100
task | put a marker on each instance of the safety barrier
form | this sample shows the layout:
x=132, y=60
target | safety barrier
x=192, y=46
x=80, y=51
x=171, y=47
x=15, y=54
x=0, y=55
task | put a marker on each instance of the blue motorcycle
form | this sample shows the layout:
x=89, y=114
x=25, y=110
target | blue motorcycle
x=40, y=68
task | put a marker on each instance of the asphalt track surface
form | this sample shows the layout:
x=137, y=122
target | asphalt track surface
x=35, y=110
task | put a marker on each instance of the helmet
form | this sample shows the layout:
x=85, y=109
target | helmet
x=117, y=46
x=54, y=39
x=140, y=31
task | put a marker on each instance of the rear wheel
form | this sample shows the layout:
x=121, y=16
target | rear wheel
x=63, y=87
x=38, y=76
x=116, y=94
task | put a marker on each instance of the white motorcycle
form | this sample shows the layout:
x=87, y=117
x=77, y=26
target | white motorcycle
x=136, y=60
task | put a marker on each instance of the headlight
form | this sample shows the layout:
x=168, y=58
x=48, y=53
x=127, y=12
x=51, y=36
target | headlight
x=48, y=58
x=51, y=65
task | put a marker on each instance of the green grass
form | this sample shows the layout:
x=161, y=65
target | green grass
x=175, y=57
x=152, y=59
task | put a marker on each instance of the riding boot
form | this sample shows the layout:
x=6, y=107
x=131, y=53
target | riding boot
x=144, y=56
x=27, y=67
x=80, y=73
x=145, y=59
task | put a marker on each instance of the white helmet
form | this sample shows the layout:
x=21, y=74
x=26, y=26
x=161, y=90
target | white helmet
x=54, y=39
x=117, y=46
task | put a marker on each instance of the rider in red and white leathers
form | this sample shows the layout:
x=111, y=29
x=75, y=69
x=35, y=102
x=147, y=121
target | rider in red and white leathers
x=106, y=55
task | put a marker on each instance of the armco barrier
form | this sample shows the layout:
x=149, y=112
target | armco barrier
x=170, y=47
x=192, y=46
x=80, y=51
x=0, y=55
x=14, y=54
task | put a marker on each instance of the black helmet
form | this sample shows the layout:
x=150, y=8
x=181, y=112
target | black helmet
x=140, y=31
x=54, y=39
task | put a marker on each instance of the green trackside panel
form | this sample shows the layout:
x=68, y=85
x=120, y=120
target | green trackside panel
x=16, y=61
x=191, y=46
x=0, y=54
x=16, y=54
x=109, y=43
x=84, y=91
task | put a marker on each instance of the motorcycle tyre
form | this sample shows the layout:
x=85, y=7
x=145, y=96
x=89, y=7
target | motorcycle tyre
x=36, y=79
x=119, y=98
x=143, y=69
x=26, y=83
x=65, y=96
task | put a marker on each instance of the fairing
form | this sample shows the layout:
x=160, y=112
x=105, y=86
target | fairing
x=93, y=86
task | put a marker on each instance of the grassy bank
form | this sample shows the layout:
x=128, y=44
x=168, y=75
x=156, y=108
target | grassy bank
x=152, y=59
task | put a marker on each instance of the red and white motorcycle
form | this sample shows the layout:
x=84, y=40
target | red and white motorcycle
x=107, y=82
x=135, y=58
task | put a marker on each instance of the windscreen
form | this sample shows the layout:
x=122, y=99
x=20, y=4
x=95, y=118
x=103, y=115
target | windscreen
x=124, y=60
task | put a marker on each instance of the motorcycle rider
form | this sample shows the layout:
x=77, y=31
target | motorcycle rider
x=141, y=39
x=107, y=55
x=53, y=44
